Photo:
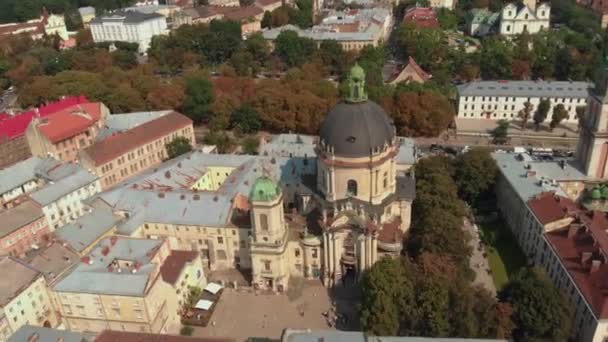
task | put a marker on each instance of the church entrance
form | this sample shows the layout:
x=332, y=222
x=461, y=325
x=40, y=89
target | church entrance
x=349, y=274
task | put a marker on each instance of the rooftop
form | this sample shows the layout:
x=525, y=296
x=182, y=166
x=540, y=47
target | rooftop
x=18, y=217
x=543, y=89
x=16, y=277
x=126, y=17
x=55, y=190
x=13, y=126
x=87, y=229
x=123, y=142
x=174, y=264
x=369, y=32
x=71, y=121
x=52, y=260
x=33, y=333
x=286, y=145
x=98, y=273
x=422, y=17
x=548, y=207
x=120, y=122
x=123, y=336
x=353, y=336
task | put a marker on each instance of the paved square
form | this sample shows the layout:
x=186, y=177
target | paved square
x=241, y=315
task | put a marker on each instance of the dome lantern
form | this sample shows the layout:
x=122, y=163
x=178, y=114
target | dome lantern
x=356, y=85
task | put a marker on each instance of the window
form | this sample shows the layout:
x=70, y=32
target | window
x=385, y=180
x=220, y=240
x=314, y=253
x=264, y=222
x=266, y=265
x=297, y=251
x=351, y=188
x=116, y=311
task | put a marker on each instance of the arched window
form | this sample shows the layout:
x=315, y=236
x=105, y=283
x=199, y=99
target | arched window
x=351, y=187
x=385, y=180
x=264, y=222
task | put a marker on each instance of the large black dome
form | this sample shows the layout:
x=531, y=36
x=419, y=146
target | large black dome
x=356, y=129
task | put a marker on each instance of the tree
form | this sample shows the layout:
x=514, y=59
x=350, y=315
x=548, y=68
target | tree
x=581, y=111
x=420, y=113
x=497, y=57
x=428, y=46
x=448, y=20
x=250, y=144
x=267, y=20
x=475, y=173
x=541, y=112
x=292, y=49
x=541, y=311
x=186, y=330
x=559, y=114
x=246, y=119
x=524, y=114
x=199, y=97
x=221, y=140
x=501, y=132
x=177, y=147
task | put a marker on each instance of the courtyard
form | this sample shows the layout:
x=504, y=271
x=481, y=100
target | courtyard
x=244, y=313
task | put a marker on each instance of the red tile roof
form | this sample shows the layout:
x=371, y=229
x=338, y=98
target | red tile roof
x=549, y=207
x=422, y=17
x=14, y=126
x=578, y=247
x=174, y=264
x=70, y=121
x=423, y=74
x=123, y=336
x=123, y=142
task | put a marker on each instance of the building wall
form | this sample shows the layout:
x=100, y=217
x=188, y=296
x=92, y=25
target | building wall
x=56, y=26
x=140, y=33
x=533, y=21
x=13, y=150
x=5, y=329
x=449, y=4
x=213, y=179
x=69, y=207
x=136, y=160
x=21, y=240
x=193, y=275
x=32, y=306
x=499, y=107
x=16, y=192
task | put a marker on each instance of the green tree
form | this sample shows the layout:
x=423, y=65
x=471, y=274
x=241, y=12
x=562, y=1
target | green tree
x=186, y=330
x=559, y=114
x=267, y=20
x=497, y=57
x=199, y=97
x=177, y=147
x=524, y=114
x=501, y=132
x=448, y=20
x=246, y=119
x=581, y=111
x=293, y=49
x=541, y=112
x=223, y=141
x=475, y=173
x=541, y=311
x=250, y=144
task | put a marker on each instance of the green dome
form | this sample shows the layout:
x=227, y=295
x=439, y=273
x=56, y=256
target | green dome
x=596, y=194
x=264, y=189
x=604, y=192
x=356, y=85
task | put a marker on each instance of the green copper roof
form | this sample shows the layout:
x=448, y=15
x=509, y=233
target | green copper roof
x=264, y=189
x=604, y=192
x=596, y=194
x=356, y=85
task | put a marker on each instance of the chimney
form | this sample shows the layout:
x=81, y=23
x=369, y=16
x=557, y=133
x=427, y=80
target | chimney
x=595, y=266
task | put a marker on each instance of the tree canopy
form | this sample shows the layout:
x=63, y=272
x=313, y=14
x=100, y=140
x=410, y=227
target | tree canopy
x=177, y=147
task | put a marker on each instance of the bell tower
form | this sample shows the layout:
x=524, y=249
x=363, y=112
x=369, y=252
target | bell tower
x=592, y=149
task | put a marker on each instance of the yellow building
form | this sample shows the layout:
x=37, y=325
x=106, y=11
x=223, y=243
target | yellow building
x=119, y=286
x=24, y=298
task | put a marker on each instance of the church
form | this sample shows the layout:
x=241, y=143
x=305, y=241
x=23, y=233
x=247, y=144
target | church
x=324, y=207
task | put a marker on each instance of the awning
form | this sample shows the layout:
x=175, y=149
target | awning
x=203, y=304
x=213, y=288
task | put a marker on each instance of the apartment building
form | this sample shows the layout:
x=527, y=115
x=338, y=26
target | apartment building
x=526, y=17
x=31, y=333
x=62, y=134
x=498, y=100
x=128, y=26
x=24, y=298
x=22, y=228
x=119, y=286
x=182, y=270
x=129, y=152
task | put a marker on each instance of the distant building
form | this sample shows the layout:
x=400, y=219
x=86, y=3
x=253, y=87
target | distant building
x=422, y=17
x=481, y=22
x=498, y=100
x=411, y=72
x=119, y=286
x=449, y=4
x=128, y=26
x=31, y=333
x=23, y=228
x=47, y=24
x=126, y=152
x=250, y=17
x=515, y=19
x=270, y=5
x=23, y=298
x=87, y=14
x=123, y=336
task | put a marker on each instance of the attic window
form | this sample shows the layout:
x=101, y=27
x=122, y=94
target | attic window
x=351, y=139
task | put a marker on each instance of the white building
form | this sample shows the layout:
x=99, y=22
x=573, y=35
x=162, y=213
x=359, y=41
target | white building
x=449, y=4
x=516, y=19
x=129, y=26
x=498, y=100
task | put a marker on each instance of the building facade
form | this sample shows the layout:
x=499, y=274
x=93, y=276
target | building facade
x=502, y=100
x=128, y=26
x=528, y=17
x=129, y=152
x=23, y=228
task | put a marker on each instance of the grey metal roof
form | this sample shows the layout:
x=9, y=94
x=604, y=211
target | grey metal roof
x=26, y=332
x=289, y=145
x=84, y=231
x=18, y=217
x=325, y=32
x=355, y=129
x=97, y=278
x=120, y=122
x=32, y=169
x=513, y=167
x=355, y=336
x=52, y=260
x=543, y=89
x=407, y=152
x=16, y=277
x=147, y=9
x=126, y=17
x=55, y=190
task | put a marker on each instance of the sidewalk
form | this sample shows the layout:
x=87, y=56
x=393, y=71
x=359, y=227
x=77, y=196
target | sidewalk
x=478, y=262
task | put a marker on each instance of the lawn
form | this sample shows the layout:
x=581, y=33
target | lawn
x=504, y=255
